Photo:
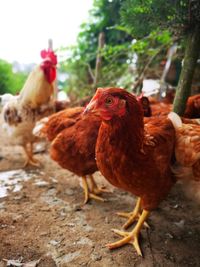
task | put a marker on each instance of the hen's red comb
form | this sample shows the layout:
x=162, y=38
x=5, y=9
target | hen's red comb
x=49, y=54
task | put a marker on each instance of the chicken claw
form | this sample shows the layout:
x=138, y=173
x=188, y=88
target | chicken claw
x=31, y=162
x=132, y=216
x=88, y=194
x=95, y=189
x=130, y=237
x=30, y=159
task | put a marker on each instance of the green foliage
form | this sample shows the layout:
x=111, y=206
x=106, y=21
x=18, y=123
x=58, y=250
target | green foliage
x=134, y=29
x=80, y=65
x=10, y=82
x=143, y=17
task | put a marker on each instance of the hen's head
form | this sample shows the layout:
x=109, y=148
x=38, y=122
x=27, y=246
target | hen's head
x=144, y=101
x=48, y=64
x=112, y=102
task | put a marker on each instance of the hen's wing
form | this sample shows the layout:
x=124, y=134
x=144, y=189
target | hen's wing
x=74, y=147
x=50, y=127
x=161, y=134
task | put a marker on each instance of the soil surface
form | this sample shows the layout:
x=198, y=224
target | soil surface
x=44, y=223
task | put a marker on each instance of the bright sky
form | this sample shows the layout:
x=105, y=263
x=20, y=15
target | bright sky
x=26, y=26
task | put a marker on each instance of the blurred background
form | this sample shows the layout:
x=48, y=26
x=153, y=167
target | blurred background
x=127, y=43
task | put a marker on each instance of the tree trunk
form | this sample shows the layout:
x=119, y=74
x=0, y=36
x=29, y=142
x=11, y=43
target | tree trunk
x=101, y=44
x=190, y=59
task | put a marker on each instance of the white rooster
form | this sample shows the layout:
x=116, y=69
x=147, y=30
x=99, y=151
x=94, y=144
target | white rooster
x=35, y=100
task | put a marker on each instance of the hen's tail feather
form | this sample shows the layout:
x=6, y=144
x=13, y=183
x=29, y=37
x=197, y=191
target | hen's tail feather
x=175, y=119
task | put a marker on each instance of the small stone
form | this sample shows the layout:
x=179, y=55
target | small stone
x=41, y=184
x=54, y=242
x=71, y=224
x=169, y=235
x=96, y=257
x=106, y=220
x=69, y=192
x=180, y=224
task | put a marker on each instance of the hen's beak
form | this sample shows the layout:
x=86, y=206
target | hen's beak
x=90, y=107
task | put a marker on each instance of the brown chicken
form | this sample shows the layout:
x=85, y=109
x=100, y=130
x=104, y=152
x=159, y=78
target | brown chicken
x=144, y=101
x=73, y=139
x=129, y=162
x=187, y=148
x=192, y=109
x=35, y=101
x=156, y=108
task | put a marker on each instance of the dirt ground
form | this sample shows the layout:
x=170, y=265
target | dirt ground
x=43, y=222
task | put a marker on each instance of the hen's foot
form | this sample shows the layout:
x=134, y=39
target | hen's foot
x=93, y=196
x=133, y=216
x=95, y=189
x=129, y=238
x=98, y=190
x=32, y=162
x=87, y=193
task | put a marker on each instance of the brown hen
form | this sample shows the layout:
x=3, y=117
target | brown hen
x=187, y=148
x=73, y=139
x=156, y=108
x=192, y=109
x=125, y=158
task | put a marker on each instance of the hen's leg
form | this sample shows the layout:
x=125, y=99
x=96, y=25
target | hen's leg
x=132, y=216
x=88, y=194
x=95, y=189
x=131, y=237
x=30, y=160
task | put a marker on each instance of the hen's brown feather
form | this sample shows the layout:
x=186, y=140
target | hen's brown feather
x=128, y=162
x=187, y=148
x=156, y=108
x=73, y=139
x=193, y=107
x=60, y=121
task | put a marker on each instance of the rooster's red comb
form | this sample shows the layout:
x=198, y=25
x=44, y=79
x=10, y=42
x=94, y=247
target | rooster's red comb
x=49, y=54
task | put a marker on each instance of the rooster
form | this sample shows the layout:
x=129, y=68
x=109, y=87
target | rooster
x=35, y=100
x=127, y=161
x=5, y=99
x=73, y=139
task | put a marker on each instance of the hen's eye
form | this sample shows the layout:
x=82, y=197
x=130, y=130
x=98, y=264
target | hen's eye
x=109, y=101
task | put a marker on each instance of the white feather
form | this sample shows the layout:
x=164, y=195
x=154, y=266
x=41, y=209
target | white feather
x=39, y=125
x=175, y=119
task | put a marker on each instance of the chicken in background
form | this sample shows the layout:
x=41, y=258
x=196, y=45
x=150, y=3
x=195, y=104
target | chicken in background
x=144, y=101
x=157, y=108
x=192, y=109
x=35, y=100
x=127, y=161
x=187, y=148
x=73, y=139
x=153, y=107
